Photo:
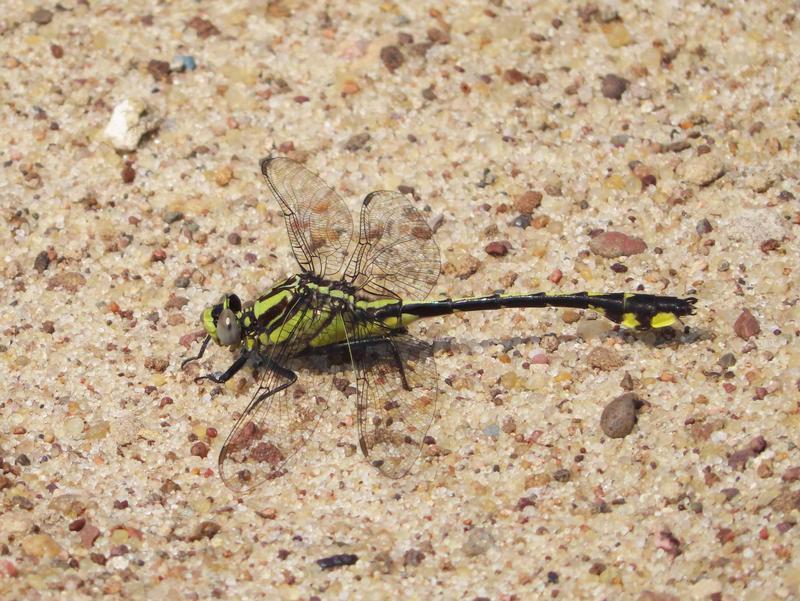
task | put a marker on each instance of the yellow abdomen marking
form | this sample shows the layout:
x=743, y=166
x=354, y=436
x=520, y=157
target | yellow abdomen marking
x=662, y=320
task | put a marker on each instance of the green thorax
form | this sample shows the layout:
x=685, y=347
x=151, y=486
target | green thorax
x=330, y=312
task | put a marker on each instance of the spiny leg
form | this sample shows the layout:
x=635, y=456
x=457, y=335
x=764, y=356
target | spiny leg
x=221, y=378
x=287, y=374
x=364, y=344
x=199, y=355
x=401, y=368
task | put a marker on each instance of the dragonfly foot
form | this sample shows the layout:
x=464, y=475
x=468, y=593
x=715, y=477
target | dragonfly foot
x=215, y=377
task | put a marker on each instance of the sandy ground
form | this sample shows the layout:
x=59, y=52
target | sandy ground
x=499, y=114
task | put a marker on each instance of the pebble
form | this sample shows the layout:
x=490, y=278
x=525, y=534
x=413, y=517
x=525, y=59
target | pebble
x=68, y=505
x=479, y=540
x=703, y=170
x=616, y=244
x=498, y=248
x=160, y=70
x=597, y=568
x=42, y=261
x=128, y=174
x=436, y=222
x=619, y=416
x=509, y=425
x=205, y=530
x=524, y=502
x=199, y=449
x=746, y=325
x=727, y=360
x=738, y=459
x=223, y=175
x=487, y=179
x=619, y=140
x=784, y=527
x=22, y=502
x=357, y=142
x=703, y=227
x=522, y=221
x=69, y=281
x=41, y=16
x=491, y=430
x=791, y=475
x=337, y=561
x=528, y=201
x=350, y=87
x=438, y=36
x=130, y=121
x=169, y=486
x=156, y=364
x=413, y=557
x=669, y=543
x=172, y=216
x=9, y=568
x=562, y=475
x=97, y=431
x=604, y=358
x=617, y=35
x=678, y=146
x=89, y=534
x=203, y=27
x=787, y=500
x=392, y=57
x=176, y=302
x=640, y=91
x=73, y=427
x=769, y=245
x=514, y=76
x=182, y=62
x=614, y=86
x=40, y=545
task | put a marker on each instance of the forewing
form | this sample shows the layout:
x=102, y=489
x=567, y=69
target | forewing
x=397, y=400
x=319, y=223
x=396, y=254
x=283, y=413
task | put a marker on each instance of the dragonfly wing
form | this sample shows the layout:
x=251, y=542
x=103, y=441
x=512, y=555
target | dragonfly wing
x=284, y=410
x=396, y=400
x=319, y=223
x=396, y=255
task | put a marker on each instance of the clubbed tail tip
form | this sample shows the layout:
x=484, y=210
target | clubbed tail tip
x=649, y=312
x=690, y=302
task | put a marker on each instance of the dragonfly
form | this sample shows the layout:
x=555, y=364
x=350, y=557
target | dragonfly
x=342, y=322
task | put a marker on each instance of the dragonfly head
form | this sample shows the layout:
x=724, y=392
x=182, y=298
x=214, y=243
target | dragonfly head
x=221, y=321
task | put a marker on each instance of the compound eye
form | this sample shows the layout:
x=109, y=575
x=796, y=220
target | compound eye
x=229, y=331
x=234, y=304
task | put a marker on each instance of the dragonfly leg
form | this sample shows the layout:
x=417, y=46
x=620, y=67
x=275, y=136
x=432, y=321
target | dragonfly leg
x=199, y=355
x=399, y=361
x=287, y=374
x=221, y=378
x=367, y=343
